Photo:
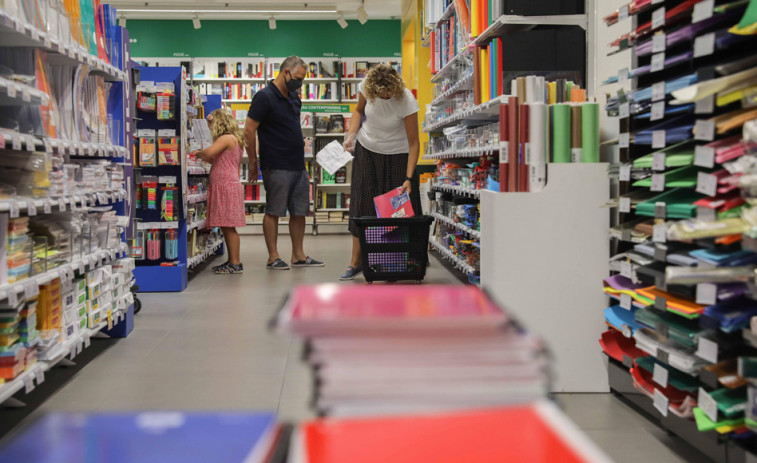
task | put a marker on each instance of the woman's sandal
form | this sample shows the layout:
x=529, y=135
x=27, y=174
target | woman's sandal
x=229, y=269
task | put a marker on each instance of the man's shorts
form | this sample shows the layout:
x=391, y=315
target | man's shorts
x=287, y=190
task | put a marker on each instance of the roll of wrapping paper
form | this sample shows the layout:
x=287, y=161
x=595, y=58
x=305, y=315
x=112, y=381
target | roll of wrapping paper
x=590, y=130
x=537, y=139
x=560, y=133
x=522, y=84
x=512, y=143
x=551, y=92
x=575, y=134
x=504, y=135
x=153, y=245
x=524, y=149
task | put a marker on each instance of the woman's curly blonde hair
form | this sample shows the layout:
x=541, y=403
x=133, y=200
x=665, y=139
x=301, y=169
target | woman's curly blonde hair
x=221, y=123
x=383, y=78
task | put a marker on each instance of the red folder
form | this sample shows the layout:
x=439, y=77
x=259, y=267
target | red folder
x=523, y=149
x=504, y=135
x=393, y=204
x=433, y=52
x=500, y=50
x=512, y=122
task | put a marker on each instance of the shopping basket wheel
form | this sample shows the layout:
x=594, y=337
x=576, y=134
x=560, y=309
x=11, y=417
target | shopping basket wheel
x=418, y=282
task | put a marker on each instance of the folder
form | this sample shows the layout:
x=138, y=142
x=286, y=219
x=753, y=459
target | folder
x=504, y=135
x=512, y=120
x=523, y=183
x=685, y=177
x=678, y=155
x=617, y=346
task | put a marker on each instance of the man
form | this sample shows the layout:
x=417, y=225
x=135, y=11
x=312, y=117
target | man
x=274, y=118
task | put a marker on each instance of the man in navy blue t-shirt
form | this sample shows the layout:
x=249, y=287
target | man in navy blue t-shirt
x=274, y=118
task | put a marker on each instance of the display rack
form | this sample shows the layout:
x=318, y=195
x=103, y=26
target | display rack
x=322, y=223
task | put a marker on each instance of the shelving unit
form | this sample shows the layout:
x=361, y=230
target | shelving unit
x=321, y=140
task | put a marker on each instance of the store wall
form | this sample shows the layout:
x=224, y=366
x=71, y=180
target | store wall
x=217, y=38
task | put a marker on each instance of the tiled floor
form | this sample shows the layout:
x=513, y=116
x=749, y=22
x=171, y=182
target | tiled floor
x=210, y=348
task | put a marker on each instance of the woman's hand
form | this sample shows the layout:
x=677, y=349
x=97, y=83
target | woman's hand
x=407, y=187
x=349, y=143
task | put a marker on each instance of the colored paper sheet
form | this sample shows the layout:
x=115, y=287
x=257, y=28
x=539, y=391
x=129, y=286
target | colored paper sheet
x=685, y=334
x=621, y=319
x=644, y=379
x=679, y=204
x=748, y=23
x=673, y=303
x=679, y=155
x=704, y=423
x=676, y=379
x=590, y=123
x=618, y=346
x=561, y=133
x=685, y=177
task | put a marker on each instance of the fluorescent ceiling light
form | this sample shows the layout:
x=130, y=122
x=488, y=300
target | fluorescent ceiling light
x=196, y=22
x=149, y=10
x=362, y=16
x=272, y=23
x=342, y=22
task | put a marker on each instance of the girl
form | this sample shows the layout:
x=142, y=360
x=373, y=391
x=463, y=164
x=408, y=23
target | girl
x=386, y=148
x=225, y=191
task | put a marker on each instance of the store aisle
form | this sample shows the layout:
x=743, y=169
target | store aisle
x=210, y=348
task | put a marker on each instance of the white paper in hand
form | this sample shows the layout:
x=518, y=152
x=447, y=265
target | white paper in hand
x=333, y=157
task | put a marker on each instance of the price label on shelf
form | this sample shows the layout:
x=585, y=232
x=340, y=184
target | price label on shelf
x=625, y=205
x=625, y=173
x=28, y=383
x=16, y=142
x=707, y=293
x=31, y=289
x=86, y=341
x=658, y=161
x=626, y=302
x=707, y=184
x=661, y=402
x=48, y=146
x=623, y=75
x=660, y=233
x=47, y=206
x=624, y=140
x=658, y=91
x=707, y=349
x=623, y=12
x=82, y=268
x=658, y=111
x=658, y=139
x=626, y=269
x=704, y=130
x=26, y=95
x=658, y=182
x=660, y=375
x=659, y=42
x=31, y=208
x=624, y=110
x=40, y=376
x=658, y=62
x=705, y=105
x=704, y=45
x=708, y=405
x=703, y=10
x=10, y=89
x=30, y=143
x=13, y=209
x=704, y=156
x=62, y=204
x=658, y=18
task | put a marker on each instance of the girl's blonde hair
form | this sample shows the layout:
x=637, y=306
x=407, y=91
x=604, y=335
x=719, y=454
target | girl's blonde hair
x=383, y=78
x=221, y=123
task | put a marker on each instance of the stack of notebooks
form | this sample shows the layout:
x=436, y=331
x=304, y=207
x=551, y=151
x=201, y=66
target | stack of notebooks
x=399, y=349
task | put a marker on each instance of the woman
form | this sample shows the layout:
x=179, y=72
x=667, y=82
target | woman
x=225, y=191
x=385, y=147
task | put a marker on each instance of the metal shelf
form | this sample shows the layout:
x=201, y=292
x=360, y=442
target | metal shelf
x=459, y=226
x=448, y=12
x=196, y=225
x=464, y=84
x=197, y=198
x=210, y=248
x=447, y=68
x=463, y=153
x=473, y=193
x=50, y=205
x=483, y=113
x=510, y=23
x=329, y=134
x=456, y=261
x=229, y=79
x=18, y=94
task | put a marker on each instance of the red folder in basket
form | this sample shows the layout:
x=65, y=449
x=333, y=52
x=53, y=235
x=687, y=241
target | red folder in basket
x=393, y=204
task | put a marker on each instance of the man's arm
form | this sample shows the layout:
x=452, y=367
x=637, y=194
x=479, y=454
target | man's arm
x=250, y=135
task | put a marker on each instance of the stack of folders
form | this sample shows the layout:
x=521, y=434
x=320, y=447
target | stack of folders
x=405, y=349
x=544, y=122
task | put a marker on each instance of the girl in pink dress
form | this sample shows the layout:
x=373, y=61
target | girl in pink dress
x=225, y=190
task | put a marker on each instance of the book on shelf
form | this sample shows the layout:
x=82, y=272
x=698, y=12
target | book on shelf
x=361, y=69
x=336, y=200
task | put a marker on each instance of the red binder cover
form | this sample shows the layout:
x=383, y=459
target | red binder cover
x=393, y=204
x=512, y=138
x=433, y=52
x=504, y=135
x=537, y=433
x=500, y=49
x=523, y=149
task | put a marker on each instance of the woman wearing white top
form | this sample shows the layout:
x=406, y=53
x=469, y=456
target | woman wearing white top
x=385, y=146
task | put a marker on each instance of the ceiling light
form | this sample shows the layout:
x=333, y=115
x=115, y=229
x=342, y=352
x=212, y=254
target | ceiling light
x=342, y=22
x=148, y=10
x=122, y=21
x=196, y=22
x=362, y=16
x=272, y=23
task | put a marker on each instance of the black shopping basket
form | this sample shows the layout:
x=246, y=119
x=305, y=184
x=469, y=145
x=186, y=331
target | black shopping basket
x=394, y=249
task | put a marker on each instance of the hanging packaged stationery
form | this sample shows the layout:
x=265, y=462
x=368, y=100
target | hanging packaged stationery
x=149, y=195
x=147, y=151
x=165, y=106
x=153, y=245
x=168, y=151
x=172, y=244
x=138, y=245
x=169, y=204
x=146, y=101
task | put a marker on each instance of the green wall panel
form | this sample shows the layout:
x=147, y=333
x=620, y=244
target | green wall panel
x=216, y=38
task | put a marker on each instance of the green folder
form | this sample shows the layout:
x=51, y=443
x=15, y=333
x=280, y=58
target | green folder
x=678, y=203
x=683, y=332
x=677, y=379
x=683, y=177
x=704, y=423
x=678, y=155
x=731, y=402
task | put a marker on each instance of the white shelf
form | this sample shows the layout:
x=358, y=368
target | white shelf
x=16, y=32
x=320, y=79
x=228, y=79
x=236, y=101
x=464, y=153
x=50, y=205
x=197, y=198
x=334, y=185
x=329, y=134
x=447, y=254
x=509, y=23
x=466, y=83
x=350, y=100
x=330, y=101
x=452, y=64
x=196, y=225
x=11, y=139
x=209, y=249
x=18, y=94
x=472, y=192
x=459, y=226
x=334, y=209
x=352, y=79
x=196, y=170
x=485, y=112
x=448, y=12
x=255, y=201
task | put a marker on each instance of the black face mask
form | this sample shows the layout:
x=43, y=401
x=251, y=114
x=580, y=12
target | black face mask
x=293, y=84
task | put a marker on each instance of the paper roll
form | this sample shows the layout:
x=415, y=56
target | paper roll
x=537, y=136
x=560, y=132
x=575, y=134
x=590, y=131
x=521, y=90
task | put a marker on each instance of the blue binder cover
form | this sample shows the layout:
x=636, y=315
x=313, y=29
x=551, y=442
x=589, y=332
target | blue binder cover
x=149, y=437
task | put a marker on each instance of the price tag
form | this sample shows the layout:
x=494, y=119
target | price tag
x=25, y=95
x=704, y=45
x=626, y=302
x=624, y=141
x=661, y=402
x=81, y=267
x=30, y=143
x=623, y=75
x=624, y=110
x=77, y=199
x=660, y=375
x=40, y=376
x=626, y=269
x=28, y=384
x=704, y=130
x=13, y=296
x=62, y=204
x=16, y=142
x=658, y=18
x=110, y=320
x=48, y=146
x=659, y=233
x=73, y=352
x=625, y=205
x=18, y=25
x=704, y=156
x=658, y=161
x=659, y=42
x=707, y=184
x=658, y=139
x=658, y=91
x=113, y=254
x=13, y=209
x=86, y=341
x=31, y=208
x=703, y=10
x=658, y=62
x=706, y=214
x=658, y=182
x=658, y=111
x=48, y=206
x=10, y=89
x=707, y=349
x=625, y=173
x=707, y=293
x=623, y=13
x=705, y=105
x=708, y=405
x=31, y=289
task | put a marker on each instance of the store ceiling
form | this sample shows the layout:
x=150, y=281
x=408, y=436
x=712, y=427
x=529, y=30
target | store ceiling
x=186, y=9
